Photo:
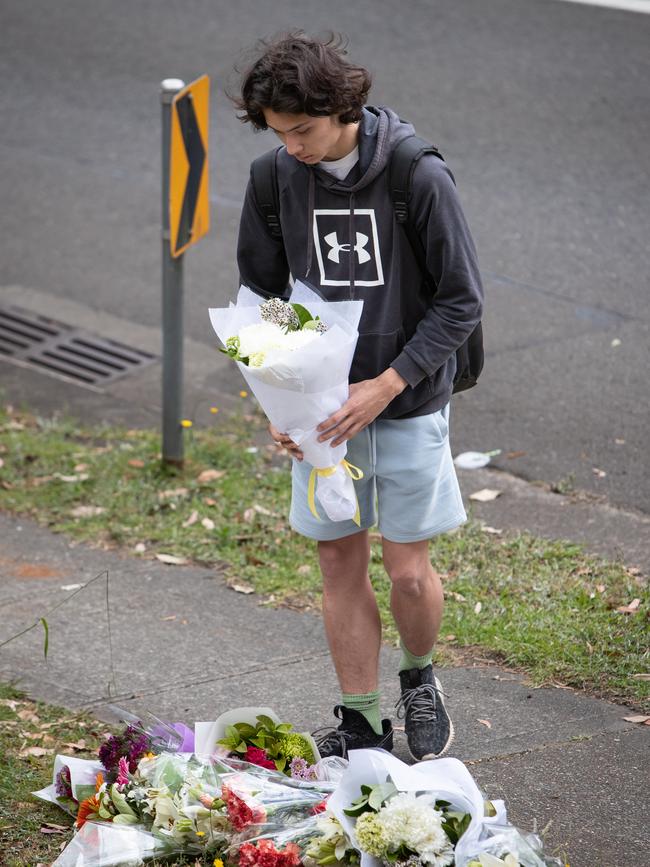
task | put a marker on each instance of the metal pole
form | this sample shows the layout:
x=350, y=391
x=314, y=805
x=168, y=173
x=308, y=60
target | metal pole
x=172, y=304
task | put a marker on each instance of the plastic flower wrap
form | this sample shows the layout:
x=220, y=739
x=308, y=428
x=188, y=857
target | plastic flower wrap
x=299, y=379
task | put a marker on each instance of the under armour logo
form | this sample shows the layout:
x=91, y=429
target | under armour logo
x=336, y=248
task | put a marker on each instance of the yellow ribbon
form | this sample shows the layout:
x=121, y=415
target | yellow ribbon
x=355, y=474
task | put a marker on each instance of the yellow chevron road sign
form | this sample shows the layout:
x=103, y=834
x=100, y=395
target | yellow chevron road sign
x=189, y=200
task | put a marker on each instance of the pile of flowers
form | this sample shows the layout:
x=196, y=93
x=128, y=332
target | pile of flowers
x=272, y=745
x=145, y=801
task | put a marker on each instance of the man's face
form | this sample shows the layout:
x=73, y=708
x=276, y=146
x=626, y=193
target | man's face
x=310, y=139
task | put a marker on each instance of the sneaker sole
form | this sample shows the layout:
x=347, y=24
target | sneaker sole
x=452, y=733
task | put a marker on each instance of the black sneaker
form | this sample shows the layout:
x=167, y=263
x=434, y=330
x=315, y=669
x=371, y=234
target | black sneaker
x=354, y=733
x=429, y=730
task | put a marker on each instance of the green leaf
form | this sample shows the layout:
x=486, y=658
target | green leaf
x=266, y=721
x=380, y=794
x=302, y=313
x=124, y=819
x=46, y=640
x=280, y=764
x=83, y=792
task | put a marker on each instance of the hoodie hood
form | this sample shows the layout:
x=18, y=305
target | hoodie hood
x=380, y=130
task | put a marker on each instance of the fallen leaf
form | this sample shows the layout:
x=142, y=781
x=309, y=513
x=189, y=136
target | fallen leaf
x=513, y=455
x=76, y=745
x=193, y=518
x=79, y=477
x=136, y=462
x=72, y=586
x=10, y=703
x=637, y=718
x=485, y=722
x=53, y=829
x=242, y=587
x=210, y=476
x=2, y=463
x=457, y=596
x=28, y=716
x=600, y=588
x=209, y=501
x=633, y=570
x=80, y=468
x=173, y=493
x=249, y=515
x=631, y=608
x=450, y=637
x=304, y=570
x=262, y=511
x=641, y=676
x=169, y=617
x=485, y=495
x=171, y=560
x=140, y=548
x=477, y=607
x=600, y=474
x=87, y=511
x=208, y=523
x=619, y=441
x=40, y=480
x=491, y=530
x=35, y=751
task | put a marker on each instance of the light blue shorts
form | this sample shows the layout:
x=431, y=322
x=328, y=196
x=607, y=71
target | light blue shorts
x=409, y=486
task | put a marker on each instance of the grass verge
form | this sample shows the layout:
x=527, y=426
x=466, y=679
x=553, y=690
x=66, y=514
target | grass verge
x=544, y=607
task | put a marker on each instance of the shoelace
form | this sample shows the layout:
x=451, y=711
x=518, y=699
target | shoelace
x=331, y=740
x=420, y=703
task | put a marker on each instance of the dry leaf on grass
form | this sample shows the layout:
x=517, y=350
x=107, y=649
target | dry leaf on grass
x=249, y=515
x=492, y=531
x=485, y=722
x=193, y=518
x=450, y=637
x=210, y=476
x=136, y=462
x=79, y=477
x=242, y=587
x=172, y=493
x=485, y=495
x=304, y=570
x=35, y=751
x=208, y=523
x=78, y=746
x=209, y=501
x=51, y=828
x=28, y=716
x=171, y=560
x=87, y=511
x=140, y=548
x=631, y=608
x=641, y=676
x=10, y=703
x=478, y=607
x=262, y=511
x=457, y=596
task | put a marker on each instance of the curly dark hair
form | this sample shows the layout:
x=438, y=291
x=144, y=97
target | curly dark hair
x=297, y=74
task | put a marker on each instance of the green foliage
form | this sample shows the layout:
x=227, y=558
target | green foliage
x=372, y=798
x=278, y=741
x=302, y=313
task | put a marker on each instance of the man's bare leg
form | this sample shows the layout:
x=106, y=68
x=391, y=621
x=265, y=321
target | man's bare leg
x=417, y=603
x=416, y=594
x=350, y=612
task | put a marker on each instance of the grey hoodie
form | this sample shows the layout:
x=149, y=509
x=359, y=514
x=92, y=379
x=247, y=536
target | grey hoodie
x=342, y=239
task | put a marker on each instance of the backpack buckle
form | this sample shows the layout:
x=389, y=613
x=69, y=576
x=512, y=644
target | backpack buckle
x=401, y=210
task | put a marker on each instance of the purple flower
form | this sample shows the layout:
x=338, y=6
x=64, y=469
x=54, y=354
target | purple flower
x=63, y=784
x=131, y=745
x=300, y=770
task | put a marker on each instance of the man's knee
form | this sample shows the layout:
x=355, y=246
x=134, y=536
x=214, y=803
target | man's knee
x=344, y=559
x=409, y=570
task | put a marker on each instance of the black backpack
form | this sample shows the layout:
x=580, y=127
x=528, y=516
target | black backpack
x=469, y=357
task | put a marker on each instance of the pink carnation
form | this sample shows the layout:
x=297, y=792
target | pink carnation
x=264, y=854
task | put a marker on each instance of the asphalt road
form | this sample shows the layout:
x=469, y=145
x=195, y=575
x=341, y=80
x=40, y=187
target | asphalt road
x=541, y=107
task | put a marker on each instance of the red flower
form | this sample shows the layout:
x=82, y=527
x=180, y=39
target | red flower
x=240, y=813
x=319, y=808
x=256, y=756
x=264, y=854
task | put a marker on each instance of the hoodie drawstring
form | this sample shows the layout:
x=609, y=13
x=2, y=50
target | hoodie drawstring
x=311, y=198
x=353, y=252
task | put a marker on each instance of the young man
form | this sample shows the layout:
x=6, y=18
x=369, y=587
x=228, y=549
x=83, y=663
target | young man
x=340, y=236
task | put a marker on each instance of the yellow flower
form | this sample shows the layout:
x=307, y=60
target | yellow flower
x=217, y=862
x=200, y=833
x=186, y=423
x=243, y=393
x=150, y=755
x=214, y=410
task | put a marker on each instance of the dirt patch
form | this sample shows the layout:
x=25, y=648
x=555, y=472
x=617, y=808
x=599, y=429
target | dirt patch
x=29, y=571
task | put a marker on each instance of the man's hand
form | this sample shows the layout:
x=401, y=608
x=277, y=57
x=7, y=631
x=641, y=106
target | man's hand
x=281, y=439
x=367, y=400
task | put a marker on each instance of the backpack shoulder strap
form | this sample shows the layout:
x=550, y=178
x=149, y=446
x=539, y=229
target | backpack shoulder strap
x=264, y=175
x=402, y=164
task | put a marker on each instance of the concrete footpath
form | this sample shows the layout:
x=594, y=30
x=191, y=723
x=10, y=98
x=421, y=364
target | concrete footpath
x=186, y=647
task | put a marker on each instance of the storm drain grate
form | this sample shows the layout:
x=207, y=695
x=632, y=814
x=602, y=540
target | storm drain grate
x=64, y=350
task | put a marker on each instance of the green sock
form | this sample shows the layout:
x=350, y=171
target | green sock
x=409, y=660
x=368, y=705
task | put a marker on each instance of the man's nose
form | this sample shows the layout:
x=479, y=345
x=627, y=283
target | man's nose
x=294, y=147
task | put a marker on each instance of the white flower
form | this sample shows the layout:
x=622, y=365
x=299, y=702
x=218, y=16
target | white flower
x=259, y=337
x=411, y=821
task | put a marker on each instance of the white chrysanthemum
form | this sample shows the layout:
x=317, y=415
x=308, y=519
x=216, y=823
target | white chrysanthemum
x=259, y=337
x=296, y=339
x=411, y=821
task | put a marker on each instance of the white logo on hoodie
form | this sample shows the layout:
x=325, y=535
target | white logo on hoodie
x=334, y=256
